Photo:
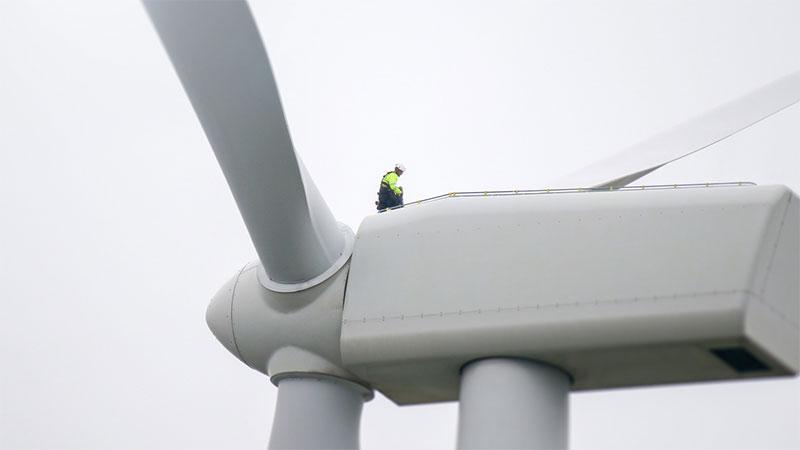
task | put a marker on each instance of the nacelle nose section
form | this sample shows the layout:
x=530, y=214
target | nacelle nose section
x=282, y=334
x=219, y=316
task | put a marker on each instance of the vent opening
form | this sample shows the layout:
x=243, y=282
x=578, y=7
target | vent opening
x=740, y=359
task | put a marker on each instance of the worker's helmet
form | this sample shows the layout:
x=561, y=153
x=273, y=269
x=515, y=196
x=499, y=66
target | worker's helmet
x=400, y=166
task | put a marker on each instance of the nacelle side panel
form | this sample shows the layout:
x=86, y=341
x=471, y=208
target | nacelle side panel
x=618, y=288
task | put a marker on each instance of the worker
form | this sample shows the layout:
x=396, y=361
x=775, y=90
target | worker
x=390, y=194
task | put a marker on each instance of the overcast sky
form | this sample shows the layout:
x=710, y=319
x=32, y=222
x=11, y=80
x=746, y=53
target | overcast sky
x=117, y=225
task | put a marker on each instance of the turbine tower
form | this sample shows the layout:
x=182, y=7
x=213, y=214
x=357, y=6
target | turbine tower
x=503, y=301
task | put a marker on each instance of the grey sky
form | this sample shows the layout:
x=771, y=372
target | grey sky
x=118, y=226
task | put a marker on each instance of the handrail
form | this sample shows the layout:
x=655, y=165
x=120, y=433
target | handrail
x=569, y=191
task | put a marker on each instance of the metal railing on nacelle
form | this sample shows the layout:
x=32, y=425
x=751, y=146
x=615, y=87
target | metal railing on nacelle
x=569, y=191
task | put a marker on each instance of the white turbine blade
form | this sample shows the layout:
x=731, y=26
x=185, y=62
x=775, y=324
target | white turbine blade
x=694, y=135
x=220, y=59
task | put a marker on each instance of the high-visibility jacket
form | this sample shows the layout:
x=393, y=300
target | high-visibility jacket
x=390, y=181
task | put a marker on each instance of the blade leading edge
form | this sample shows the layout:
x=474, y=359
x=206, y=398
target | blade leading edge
x=689, y=137
x=221, y=61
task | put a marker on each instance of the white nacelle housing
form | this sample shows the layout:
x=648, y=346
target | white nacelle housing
x=618, y=288
x=282, y=334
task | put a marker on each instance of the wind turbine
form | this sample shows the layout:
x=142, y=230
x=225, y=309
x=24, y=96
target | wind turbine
x=504, y=301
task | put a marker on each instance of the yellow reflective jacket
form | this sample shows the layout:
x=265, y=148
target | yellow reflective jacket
x=390, y=179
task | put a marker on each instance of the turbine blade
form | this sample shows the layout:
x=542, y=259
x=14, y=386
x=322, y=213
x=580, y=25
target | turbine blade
x=222, y=64
x=689, y=137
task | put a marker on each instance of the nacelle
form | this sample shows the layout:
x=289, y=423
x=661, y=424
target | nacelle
x=621, y=288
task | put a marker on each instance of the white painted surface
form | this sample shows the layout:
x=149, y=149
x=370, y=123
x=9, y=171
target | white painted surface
x=620, y=288
x=316, y=413
x=513, y=404
x=689, y=137
x=217, y=52
x=118, y=225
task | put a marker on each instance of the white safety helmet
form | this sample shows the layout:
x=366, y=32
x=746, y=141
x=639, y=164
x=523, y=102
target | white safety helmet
x=400, y=166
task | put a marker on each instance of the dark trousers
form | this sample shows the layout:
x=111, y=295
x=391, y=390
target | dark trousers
x=388, y=199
